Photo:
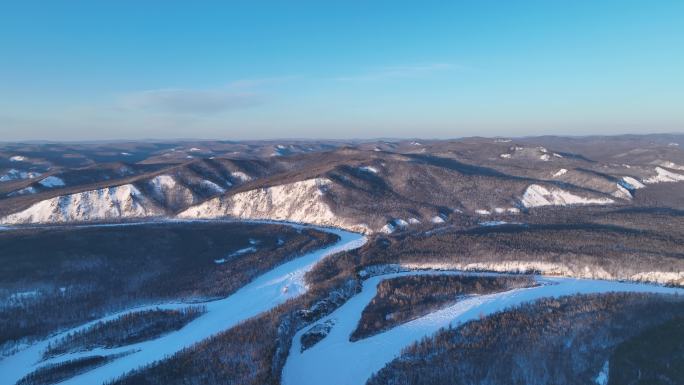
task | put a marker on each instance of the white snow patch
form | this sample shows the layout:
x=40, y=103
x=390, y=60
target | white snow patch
x=536, y=195
x=15, y=174
x=437, y=219
x=24, y=295
x=632, y=183
x=505, y=156
x=25, y=190
x=126, y=153
x=241, y=176
x=388, y=228
x=560, y=172
x=672, y=165
x=557, y=155
x=162, y=183
x=483, y=212
x=17, y=158
x=664, y=176
x=545, y=157
x=212, y=186
x=602, y=377
x=401, y=223
x=662, y=277
x=369, y=169
x=52, y=181
x=622, y=192
x=413, y=221
x=243, y=251
x=195, y=149
x=493, y=223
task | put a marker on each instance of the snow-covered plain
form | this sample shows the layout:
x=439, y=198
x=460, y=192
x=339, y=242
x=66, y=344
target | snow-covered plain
x=337, y=361
x=265, y=292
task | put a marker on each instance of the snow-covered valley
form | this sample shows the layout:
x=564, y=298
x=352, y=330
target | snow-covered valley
x=337, y=360
x=270, y=289
x=334, y=358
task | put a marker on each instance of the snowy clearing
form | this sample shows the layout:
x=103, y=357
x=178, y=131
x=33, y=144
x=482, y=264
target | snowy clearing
x=560, y=172
x=15, y=174
x=241, y=176
x=632, y=183
x=52, y=181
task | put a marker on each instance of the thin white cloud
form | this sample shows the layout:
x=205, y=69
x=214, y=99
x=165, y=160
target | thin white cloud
x=188, y=101
x=405, y=71
x=238, y=94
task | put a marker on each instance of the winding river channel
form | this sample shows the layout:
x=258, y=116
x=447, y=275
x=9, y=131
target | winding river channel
x=265, y=292
x=334, y=360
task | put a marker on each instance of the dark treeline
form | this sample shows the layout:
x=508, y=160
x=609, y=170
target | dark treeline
x=125, y=330
x=620, y=247
x=54, y=373
x=655, y=356
x=561, y=341
x=402, y=299
x=82, y=273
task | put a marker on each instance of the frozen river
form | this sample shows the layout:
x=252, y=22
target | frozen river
x=265, y=292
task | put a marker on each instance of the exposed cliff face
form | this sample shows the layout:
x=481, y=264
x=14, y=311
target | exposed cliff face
x=172, y=194
x=116, y=202
x=538, y=195
x=554, y=269
x=664, y=176
x=300, y=201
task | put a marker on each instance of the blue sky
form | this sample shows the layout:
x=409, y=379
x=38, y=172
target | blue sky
x=81, y=70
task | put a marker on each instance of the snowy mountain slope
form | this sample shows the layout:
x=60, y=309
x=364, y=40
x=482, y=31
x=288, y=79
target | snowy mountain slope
x=537, y=195
x=664, y=176
x=300, y=201
x=117, y=202
x=374, y=185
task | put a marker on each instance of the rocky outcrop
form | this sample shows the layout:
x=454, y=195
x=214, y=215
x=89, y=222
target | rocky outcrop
x=300, y=201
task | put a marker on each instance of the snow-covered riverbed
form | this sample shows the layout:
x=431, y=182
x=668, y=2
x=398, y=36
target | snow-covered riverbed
x=265, y=292
x=337, y=361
